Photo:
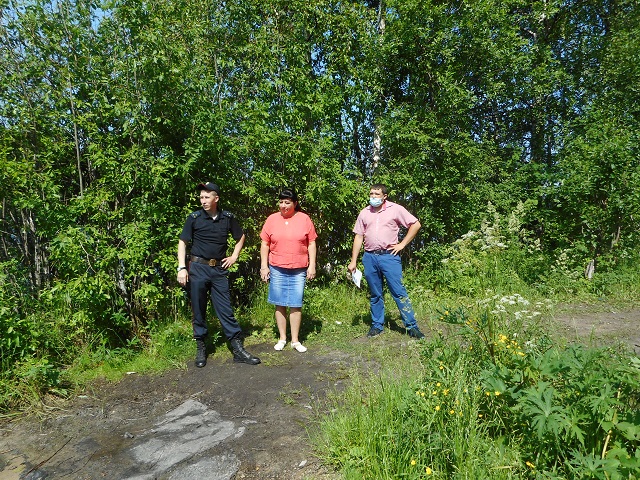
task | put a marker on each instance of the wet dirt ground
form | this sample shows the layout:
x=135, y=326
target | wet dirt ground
x=224, y=421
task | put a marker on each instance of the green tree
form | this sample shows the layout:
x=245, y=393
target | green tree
x=597, y=191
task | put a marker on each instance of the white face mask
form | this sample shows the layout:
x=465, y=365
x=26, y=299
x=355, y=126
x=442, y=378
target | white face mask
x=375, y=202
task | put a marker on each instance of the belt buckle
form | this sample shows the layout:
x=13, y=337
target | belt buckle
x=213, y=262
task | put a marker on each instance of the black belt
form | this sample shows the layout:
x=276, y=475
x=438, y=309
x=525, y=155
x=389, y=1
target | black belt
x=212, y=262
x=381, y=251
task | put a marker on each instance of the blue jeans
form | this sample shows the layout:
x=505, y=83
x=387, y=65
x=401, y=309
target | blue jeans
x=388, y=267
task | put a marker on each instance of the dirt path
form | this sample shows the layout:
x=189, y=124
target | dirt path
x=600, y=325
x=224, y=421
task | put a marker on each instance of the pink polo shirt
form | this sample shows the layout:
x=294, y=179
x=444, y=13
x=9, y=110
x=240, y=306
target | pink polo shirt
x=288, y=239
x=380, y=229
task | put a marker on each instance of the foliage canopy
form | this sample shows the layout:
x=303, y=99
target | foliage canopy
x=111, y=112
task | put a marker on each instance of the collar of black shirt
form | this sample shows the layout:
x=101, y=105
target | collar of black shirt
x=212, y=217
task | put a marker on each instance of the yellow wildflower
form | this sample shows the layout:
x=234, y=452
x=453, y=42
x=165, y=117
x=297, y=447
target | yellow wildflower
x=438, y=384
x=437, y=408
x=413, y=462
x=488, y=394
x=429, y=471
x=422, y=393
x=451, y=412
x=435, y=392
x=530, y=465
x=497, y=393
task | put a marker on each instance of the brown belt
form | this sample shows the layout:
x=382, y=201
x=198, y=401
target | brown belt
x=212, y=262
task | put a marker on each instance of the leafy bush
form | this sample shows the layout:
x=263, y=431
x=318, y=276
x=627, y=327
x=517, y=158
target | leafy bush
x=571, y=410
x=15, y=333
x=503, y=252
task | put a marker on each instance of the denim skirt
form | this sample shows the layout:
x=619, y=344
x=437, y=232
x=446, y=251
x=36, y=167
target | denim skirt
x=286, y=286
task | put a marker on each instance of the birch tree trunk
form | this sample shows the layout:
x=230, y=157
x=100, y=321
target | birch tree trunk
x=377, y=139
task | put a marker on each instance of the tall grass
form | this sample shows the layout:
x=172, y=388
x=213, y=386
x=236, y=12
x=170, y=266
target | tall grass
x=499, y=399
x=386, y=428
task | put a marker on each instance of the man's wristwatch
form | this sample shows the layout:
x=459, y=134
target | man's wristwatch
x=181, y=268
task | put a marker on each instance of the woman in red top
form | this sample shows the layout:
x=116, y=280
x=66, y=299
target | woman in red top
x=288, y=259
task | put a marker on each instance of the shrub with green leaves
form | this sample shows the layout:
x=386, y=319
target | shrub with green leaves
x=570, y=409
x=14, y=329
x=573, y=411
x=502, y=251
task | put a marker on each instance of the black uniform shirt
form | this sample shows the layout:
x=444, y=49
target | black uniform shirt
x=208, y=237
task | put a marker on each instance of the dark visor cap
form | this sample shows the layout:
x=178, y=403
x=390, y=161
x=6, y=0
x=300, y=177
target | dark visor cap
x=212, y=187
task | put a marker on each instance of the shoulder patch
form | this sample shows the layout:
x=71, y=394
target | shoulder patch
x=228, y=214
x=196, y=214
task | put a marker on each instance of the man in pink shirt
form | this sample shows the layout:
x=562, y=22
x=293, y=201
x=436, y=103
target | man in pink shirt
x=377, y=228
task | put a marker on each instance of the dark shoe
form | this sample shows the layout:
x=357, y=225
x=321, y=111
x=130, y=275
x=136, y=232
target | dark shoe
x=201, y=354
x=373, y=332
x=240, y=355
x=415, y=333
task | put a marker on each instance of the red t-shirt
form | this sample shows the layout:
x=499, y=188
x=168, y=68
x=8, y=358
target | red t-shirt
x=288, y=239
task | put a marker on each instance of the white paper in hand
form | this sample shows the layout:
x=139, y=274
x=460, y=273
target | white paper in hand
x=356, y=276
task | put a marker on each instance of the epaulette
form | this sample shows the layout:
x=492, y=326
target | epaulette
x=196, y=214
x=228, y=214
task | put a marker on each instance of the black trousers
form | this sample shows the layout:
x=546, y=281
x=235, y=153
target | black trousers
x=205, y=282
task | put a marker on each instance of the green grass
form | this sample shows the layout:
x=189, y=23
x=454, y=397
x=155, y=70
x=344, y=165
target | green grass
x=497, y=398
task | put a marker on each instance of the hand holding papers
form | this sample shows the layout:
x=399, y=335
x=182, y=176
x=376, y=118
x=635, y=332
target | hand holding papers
x=356, y=276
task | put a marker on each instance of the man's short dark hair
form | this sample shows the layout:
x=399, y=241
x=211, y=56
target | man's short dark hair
x=380, y=186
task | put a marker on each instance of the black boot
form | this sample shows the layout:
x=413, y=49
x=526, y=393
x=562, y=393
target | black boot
x=201, y=354
x=240, y=355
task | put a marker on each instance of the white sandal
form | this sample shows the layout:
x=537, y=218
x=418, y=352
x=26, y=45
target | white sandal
x=280, y=345
x=298, y=347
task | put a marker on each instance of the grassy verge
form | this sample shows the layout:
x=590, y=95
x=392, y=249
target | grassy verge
x=498, y=398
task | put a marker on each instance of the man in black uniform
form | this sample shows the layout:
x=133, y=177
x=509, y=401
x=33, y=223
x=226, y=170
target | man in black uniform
x=207, y=231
